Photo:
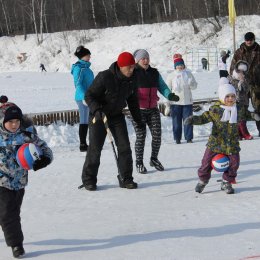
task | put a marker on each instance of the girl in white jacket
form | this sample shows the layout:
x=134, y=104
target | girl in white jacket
x=181, y=82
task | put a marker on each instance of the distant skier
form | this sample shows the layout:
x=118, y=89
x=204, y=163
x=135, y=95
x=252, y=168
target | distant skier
x=43, y=67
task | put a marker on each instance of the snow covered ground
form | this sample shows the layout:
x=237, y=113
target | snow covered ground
x=164, y=218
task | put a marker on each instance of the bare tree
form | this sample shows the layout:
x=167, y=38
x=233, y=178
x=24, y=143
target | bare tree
x=34, y=21
x=5, y=17
x=93, y=13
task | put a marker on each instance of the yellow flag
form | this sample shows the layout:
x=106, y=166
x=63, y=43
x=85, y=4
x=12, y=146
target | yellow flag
x=231, y=11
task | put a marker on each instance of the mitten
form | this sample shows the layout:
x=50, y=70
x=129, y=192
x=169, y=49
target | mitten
x=173, y=97
x=255, y=116
x=188, y=120
x=41, y=163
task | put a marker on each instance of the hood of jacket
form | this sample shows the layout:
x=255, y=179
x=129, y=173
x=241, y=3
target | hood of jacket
x=80, y=63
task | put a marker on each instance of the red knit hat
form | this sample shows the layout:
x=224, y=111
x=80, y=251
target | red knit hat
x=125, y=59
x=176, y=56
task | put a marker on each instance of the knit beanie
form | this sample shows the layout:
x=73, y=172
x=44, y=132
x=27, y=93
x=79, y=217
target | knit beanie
x=141, y=54
x=178, y=62
x=224, y=90
x=177, y=55
x=3, y=99
x=125, y=59
x=249, y=36
x=9, y=111
x=81, y=51
x=223, y=53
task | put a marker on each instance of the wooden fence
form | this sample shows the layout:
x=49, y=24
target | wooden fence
x=71, y=117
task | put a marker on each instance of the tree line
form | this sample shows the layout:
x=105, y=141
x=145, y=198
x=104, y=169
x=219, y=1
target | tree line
x=22, y=17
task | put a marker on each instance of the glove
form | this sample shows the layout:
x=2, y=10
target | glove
x=41, y=163
x=173, y=97
x=228, y=52
x=255, y=116
x=188, y=120
x=3, y=99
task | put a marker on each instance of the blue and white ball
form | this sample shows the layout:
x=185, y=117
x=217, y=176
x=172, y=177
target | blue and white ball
x=220, y=163
x=27, y=154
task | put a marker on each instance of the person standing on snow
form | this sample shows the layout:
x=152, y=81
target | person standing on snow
x=42, y=67
x=149, y=82
x=112, y=90
x=224, y=138
x=83, y=78
x=222, y=63
x=249, y=51
x=15, y=130
x=239, y=81
x=182, y=82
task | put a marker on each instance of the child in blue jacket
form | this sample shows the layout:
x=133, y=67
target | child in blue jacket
x=15, y=130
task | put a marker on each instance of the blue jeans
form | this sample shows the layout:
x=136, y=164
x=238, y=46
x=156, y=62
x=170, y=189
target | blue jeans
x=83, y=112
x=178, y=114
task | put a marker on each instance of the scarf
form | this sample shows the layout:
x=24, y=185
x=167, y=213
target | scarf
x=230, y=114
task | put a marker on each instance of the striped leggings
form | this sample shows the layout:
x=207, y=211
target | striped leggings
x=152, y=118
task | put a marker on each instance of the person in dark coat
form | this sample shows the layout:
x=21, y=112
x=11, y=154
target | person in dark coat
x=111, y=91
x=43, y=67
x=204, y=63
x=249, y=51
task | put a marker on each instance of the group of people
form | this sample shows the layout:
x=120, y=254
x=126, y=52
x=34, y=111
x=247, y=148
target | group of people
x=131, y=81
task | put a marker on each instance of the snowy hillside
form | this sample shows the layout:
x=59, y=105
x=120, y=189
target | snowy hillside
x=161, y=40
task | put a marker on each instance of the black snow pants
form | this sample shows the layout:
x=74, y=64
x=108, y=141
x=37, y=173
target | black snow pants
x=10, y=221
x=97, y=136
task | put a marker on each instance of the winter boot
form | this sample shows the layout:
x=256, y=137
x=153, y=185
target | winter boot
x=227, y=187
x=140, y=168
x=128, y=183
x=200, y=186
x=244, y=131
x=83, y=147
x=18, y=251
x=90, y=187
x=83, y=130
x=154, y=162
x=258, y=127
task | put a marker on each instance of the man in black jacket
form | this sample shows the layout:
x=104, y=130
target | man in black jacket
x=110, y=92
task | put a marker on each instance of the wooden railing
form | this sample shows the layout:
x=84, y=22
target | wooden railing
x=71, y=117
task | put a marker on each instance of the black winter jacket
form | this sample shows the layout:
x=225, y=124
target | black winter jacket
x=111, y=91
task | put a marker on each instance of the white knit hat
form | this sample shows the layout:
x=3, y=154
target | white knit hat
x=224, y=90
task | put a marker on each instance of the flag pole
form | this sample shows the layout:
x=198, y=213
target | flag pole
x=234, y=36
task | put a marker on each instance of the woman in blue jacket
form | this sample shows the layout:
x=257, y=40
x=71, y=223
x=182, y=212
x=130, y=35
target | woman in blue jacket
x=83, y=77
